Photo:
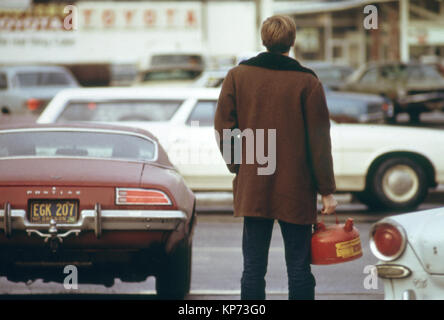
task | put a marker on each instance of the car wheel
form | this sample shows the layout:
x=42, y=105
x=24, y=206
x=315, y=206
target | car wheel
x=366, y=198
x=5, y=110
x=398, y=183
x=414, y=116
x=174, y=279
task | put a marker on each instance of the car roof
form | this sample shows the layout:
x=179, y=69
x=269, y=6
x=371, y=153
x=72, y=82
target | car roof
x=85, y=126
x=394, y=63
x=137, y=93
x=32, y=68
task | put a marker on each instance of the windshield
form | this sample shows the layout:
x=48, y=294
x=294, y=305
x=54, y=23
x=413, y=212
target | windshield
x=168, y=75
x=114, y=111
x=76, y=144
x=412, y=73
x=40, y=79
x=175, y=59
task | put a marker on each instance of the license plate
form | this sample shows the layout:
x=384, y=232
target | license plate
x=62, y=211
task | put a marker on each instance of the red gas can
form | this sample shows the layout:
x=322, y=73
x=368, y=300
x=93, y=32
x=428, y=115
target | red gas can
x=336, y=243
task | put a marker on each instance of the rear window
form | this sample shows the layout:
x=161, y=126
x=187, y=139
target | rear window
x=3, y=82
x=115, y=111
x=76, y=144
x=177, y=59
x=39, y=79
x=338, y=106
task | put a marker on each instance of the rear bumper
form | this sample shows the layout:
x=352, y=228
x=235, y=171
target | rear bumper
x=97, y=220
x=426, y=99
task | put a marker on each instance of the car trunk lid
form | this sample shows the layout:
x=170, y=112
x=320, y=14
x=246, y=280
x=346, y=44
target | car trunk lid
x=424, y=232
x=74, y=172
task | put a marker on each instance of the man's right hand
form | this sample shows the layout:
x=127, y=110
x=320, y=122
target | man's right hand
x=329, y=204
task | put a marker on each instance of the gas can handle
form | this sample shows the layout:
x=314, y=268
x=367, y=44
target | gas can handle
x=322, y=217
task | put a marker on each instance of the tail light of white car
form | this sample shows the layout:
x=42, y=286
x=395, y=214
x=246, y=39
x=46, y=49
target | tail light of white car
x=33, y=104
x=132, y=196
x=388, y=108
x=387, y=241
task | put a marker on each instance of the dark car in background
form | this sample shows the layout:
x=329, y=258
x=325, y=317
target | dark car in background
x=172, y=69
x=414, y=88
x=331, y=75
x=28, y=89
x=346, y=107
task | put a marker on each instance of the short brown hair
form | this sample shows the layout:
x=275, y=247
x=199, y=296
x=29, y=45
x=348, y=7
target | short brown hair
x=278, y=33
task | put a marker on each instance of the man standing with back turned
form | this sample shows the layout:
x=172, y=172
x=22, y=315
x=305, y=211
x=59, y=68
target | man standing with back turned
x=274, y=92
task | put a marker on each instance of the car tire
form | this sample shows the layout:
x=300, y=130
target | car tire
x=398, y=183
x=5, y=110
x=174, y=279
x=366, y=198
x=414, y=117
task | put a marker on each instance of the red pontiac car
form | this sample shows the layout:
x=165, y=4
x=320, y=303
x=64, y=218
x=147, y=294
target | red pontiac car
x=103, y=198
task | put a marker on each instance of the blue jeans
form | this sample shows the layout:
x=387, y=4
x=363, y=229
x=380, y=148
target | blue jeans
x=255, y=247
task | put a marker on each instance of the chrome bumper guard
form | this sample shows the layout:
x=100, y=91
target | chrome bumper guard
x=95, y=220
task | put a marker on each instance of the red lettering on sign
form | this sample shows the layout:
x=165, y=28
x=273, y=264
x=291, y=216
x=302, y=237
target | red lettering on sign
x=149, y=17
x=191, y=18
x=170, y=16
x=108, y=18
x=87, y=14
x=129, y=17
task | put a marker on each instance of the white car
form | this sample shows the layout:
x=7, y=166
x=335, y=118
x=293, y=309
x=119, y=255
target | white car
x=384, y=166
x=410, y=249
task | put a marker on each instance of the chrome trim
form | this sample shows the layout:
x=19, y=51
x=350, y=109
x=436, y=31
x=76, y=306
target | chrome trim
x=131, y=204
x=409, y=295
x=94, y=130
x=164, y=220
x=98, y=220
x=7, y=219
x=375, y=250
x=405, y=272
x=47, y=236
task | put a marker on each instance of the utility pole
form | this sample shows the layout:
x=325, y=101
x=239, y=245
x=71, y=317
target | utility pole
x=403, y=30
x=264, y=9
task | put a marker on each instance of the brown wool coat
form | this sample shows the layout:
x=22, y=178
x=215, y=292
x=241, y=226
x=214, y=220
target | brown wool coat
x=272, y=91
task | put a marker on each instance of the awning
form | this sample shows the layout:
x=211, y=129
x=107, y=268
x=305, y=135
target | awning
x=305, y=7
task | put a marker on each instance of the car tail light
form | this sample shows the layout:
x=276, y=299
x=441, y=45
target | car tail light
x=127, y=196
x=387, y=241
x=33, y=104
x=388, y=108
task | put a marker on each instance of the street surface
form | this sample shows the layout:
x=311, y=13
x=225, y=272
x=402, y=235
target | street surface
x=217, y=264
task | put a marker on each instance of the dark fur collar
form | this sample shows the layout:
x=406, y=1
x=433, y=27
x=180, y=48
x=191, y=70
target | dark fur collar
x=276, y=61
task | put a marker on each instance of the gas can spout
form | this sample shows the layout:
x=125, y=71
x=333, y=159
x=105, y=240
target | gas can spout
x=348, y=225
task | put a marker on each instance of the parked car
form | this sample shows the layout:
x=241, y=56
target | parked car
x=331, y=75
x=414, y=88
x=211, y=79
x=28, y=89
x=409, y=248
x=171, y=76
x=348, y=107
x=173, y=69
x=384, y=166
x=99, y=197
